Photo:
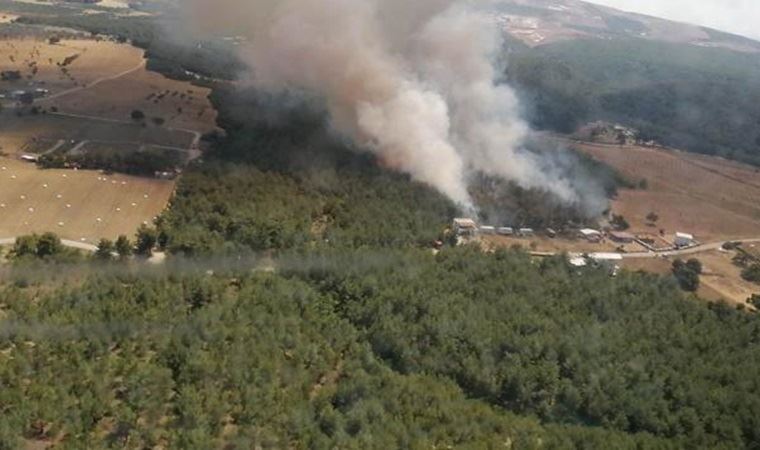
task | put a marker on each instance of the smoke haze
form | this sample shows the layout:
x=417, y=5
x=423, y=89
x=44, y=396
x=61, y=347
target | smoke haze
x=416, y=83
x=735, y=16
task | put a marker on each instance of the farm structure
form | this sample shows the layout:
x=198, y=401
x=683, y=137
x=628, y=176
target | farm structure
x=683, y=240
x=622, y=237
x=591, y=235
x=465, y=227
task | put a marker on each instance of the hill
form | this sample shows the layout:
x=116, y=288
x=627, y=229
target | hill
x=680, y=85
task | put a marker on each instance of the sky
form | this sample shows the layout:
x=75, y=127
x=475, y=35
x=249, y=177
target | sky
x=735, y=16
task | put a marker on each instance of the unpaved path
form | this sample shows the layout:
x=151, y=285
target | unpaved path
x=65, y=242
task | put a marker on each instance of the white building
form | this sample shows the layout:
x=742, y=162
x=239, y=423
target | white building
x=506, y=231
x=465, y=227
x=591, y=235
x=488, y=230
x=684, y=240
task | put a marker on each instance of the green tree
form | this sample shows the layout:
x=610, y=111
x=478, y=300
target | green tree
x=146, y=241
x=105, y=250
x=48, y=245
x=123, y=247
x=25, y=246
x=687, y=274
x=619, y=223
x=752, y=273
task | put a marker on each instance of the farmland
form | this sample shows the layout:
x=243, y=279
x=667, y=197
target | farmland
x=78, y=205
x=86, y=93
x=709, y=197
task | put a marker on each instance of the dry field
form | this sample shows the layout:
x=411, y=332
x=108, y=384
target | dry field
x=103, y=79
x=721, y=279
x=26, y=133
x=182, y=105
x=43, y=64
x=7, y=17
x=558, y=245
x=711, y=198
x=70, y=203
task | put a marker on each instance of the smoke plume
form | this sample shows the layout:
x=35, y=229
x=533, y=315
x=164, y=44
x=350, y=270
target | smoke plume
x=415, y=82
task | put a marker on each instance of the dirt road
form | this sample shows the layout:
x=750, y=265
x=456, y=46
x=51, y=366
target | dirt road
x=66, y=243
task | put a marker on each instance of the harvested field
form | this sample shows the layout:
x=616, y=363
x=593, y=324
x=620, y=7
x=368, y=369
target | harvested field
x=104, y=79
x=7, y=18
x=20, y=134
x=711, y=198
x=181, y=105
x=65, y=65
x=70, y=203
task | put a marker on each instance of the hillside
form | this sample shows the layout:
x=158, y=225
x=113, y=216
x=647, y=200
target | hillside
x=308, y=297
x=543, y=22
x=681, y=85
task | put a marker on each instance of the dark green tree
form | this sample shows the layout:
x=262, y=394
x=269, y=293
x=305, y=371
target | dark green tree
x=123, y=247
x=145, y=241
x=105, y=250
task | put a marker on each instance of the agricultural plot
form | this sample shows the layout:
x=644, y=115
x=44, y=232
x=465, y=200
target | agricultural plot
x=63, y=66
x=77, y=205
x=711, y=198
x=176, y=104
x=31, y=130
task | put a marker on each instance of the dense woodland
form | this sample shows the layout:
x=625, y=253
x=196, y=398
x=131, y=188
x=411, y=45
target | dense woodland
x=694, y=98
x=350, y=332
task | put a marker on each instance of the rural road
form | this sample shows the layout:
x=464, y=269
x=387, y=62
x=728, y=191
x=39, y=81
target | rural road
x=93, y=84
x=66, y=243
x=704, y=248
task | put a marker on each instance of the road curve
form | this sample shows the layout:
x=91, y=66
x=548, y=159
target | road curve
x=65, y=242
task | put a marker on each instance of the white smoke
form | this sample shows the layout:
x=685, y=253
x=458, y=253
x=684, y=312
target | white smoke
x=415, y=82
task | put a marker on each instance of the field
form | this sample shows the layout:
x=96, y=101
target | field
x=712, y=198
x=103, y=79
x=21, y=134
x=65, y=65
x=93, y=87
x=78, y=205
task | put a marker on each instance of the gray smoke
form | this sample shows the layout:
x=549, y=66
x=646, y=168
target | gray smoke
x=415, y=82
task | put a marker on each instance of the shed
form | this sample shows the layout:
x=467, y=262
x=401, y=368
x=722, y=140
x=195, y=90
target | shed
x=684, y=240
x=488, y=230
x=465, y=227
x=590, y=234
x=622, y=237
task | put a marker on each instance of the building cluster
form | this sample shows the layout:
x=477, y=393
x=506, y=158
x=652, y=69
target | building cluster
x=468, y=228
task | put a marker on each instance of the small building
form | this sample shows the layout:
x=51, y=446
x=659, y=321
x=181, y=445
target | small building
x=488, y=230
x=506, y=231
x=527, y=232
x=591, y=235
x=30, y=158
x=684, y=240
x=610, y=261
x=622, y=237
x=551, y=233
x=465, y=227
x=577, y=261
